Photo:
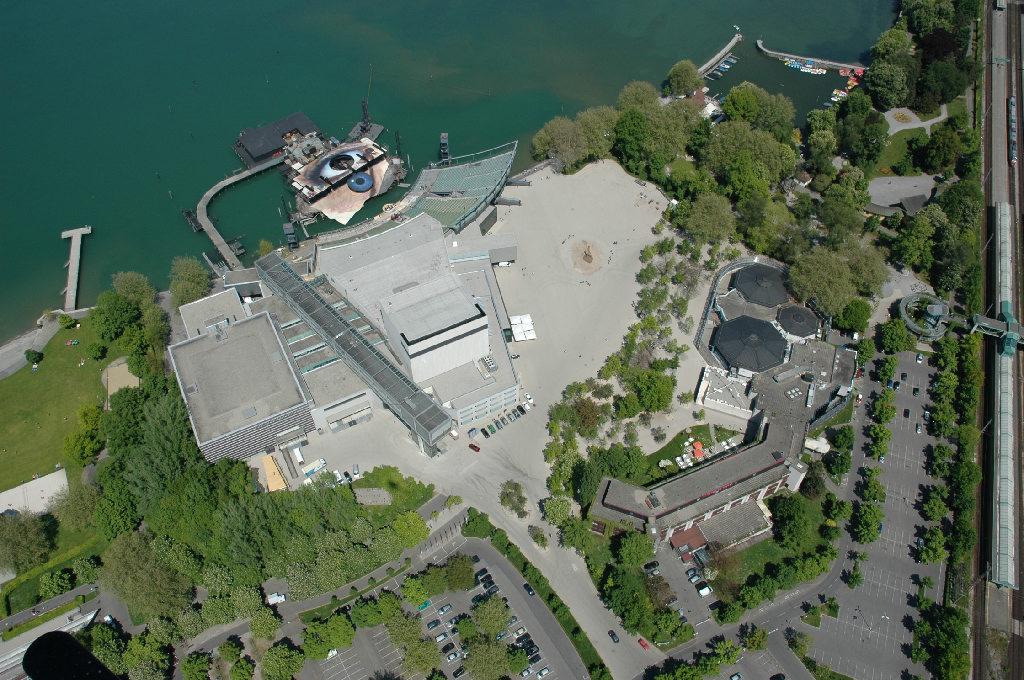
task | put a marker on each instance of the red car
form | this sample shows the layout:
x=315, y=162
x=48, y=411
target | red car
x=643, y=643
x=475, y=447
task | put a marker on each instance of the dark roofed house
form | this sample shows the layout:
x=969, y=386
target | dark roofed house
x=753, y=344
x=798, y=320
x=257, y=144
x=761, y=284
x=913, y=204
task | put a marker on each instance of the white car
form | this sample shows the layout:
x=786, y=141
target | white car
x=333, y=653
x=356, y=474
x=441, y=637
x=529, y=399
x=543, y=671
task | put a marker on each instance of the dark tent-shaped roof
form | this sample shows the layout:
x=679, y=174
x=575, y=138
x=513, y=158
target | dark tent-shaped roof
x=753, y=344
x=798, y=320
x=761, y=285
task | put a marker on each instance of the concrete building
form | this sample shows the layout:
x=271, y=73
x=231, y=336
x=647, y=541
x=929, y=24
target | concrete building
x=212, y=313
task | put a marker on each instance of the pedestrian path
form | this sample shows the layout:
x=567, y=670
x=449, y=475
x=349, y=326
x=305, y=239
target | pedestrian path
x=912, y=120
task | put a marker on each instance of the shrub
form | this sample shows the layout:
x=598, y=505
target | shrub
x=66, y=321
x=96, y=351
x=33, y=356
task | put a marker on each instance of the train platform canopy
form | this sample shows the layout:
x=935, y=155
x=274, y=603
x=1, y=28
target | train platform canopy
x=260, y=143
x=761, y=284
x=753, y=344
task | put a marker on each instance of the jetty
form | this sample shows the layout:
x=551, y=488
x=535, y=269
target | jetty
x=821, y=63
x=73, y=265
x=203, y=215
x=721, y=54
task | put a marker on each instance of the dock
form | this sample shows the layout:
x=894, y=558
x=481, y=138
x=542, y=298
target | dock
x=203, y=216
x=74, y=264
x=721, y=54
x=821, y=63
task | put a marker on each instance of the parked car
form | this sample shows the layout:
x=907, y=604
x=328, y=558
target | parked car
x=504, y=421
x=448, y=647
x=704, y=590
x=440, y=637
x=919, y=358
x=694, y=577
x=472, y=432
x=522, y=411
x=644, y=644
x=529, y=589
x=918, y=428
x=529, y=399
x=526, y=672
x=498, y=424
x=652, y=568
x=526, y=405
x=491, y=428
x=917, y=391
x=903, y=376
x=433, y=624
x=485, y=433
x=519, y=631
x=536, y=658
x=444, y=610
x=543, y=671
x=478, y=598
x=896, y=385
x=522, y=638
x=452, y=622
x=614, y=636
x=492, y=590
x=474, y=447
x=459, y=672
x=452, y=657
x=735, y=676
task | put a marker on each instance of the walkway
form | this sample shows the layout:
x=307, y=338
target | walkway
x=913, y=121
x=202, y=213
x=822, y=63
x=74, y=264
x=720, y=54
x=21, y=617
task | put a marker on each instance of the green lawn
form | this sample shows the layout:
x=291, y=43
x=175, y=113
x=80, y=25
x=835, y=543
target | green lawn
x=957, y=106
x=680, y=166
x=40, y=407
x=677, y=445
x=406, y=492
x=840, y=419
x=896, y=148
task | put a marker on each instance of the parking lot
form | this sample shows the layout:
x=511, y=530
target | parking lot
x=372, y=650
x=870, y=638
x=673, y=570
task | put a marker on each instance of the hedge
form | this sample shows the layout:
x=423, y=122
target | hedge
x=48, y=616
x=58, y=559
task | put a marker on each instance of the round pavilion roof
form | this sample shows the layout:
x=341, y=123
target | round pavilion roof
x=753, y=344
x=761, y=285
x=798, y=320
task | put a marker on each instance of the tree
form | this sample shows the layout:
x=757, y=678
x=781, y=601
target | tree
x=367, y=613
x=934, y=507
x=135, y=287
x=491, y=616
x=887, y=367
x=230, y=650
x=895, y=337
x=855, y=316
x=281, y=662
x=264, y=623
x=835, y=509
x=466, y=628
x=459, y=572
x=597, y=128
x=518, y=661
x=108, y=645
x=886, y=82
x=933, y=549
x=196, y=666
x=33, y=356
x=633, y=139
x=683, y=78
x=113, y=314
x=410, y=528
x=870, y=489
x=711, y=219
x=862, y=131
x=74, y=506
x=733, y=138
x=413, y=590
x=146, y=584
x=799, y=642
x=895, y=42
x=557, y=510
x=792, y=521
x=321, y=636
x=653, y=389
x=487, y=660
x=824, y=277
x=189, y=280
x=81, y=447
x=513, y=498
x=243, y=669
x=86, y=569
x=772, y=113
x=639, y=95
x=23, y=542
x=855, y=577
x=560, y=138
x=838, y=462
x=842, y=439
x=943, y=149
x=866, y=522
x=867, y=269
x=754, y=638
x=635, y=549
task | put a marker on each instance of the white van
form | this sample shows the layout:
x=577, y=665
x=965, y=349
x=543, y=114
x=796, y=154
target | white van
x=297, y=453
x=705, y=590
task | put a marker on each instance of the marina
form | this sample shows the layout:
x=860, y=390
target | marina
x=816, y=66
x=74, y=265
x=721, y=55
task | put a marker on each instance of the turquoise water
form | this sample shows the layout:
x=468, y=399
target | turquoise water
x=121, y=114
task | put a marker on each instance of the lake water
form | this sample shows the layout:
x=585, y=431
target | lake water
x=121, y=114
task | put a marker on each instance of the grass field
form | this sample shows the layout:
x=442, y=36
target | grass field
x=40, y=407
x=677, y=445
x=895, y=149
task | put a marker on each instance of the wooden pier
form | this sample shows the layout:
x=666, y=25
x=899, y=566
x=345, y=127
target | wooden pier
x=73, y=265
x=202, y=213
x=720, y=55
x=821, y=63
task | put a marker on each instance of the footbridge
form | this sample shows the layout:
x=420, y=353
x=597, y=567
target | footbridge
x=203, y=215
x=74, y=265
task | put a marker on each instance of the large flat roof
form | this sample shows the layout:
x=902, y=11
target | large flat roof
x=199, y=315
x=430, y=308
x=236, y=377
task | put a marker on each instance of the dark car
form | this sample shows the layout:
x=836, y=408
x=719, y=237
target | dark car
x=906, y=413
x=614, y=636
x=475, y=558
x=433, y=624
x=896, y=385
x=504, y=420
x=535, y=659
x=652, y=568
x=917, y=391
x=522, y=411
x=529, y=589
x=498, y=424
x=459, y=672
x=478, y=598
x=485, y=433
x=492, y=590
x=475, y=447
x=448, y=647
x=524, y=638
x=903, y=376
x=480, y=573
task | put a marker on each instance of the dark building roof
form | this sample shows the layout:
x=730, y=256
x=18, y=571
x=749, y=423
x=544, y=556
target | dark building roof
x=761, y=284
x=262, y=141
x=913, y=204
x=746, y=342
x=798, y=320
